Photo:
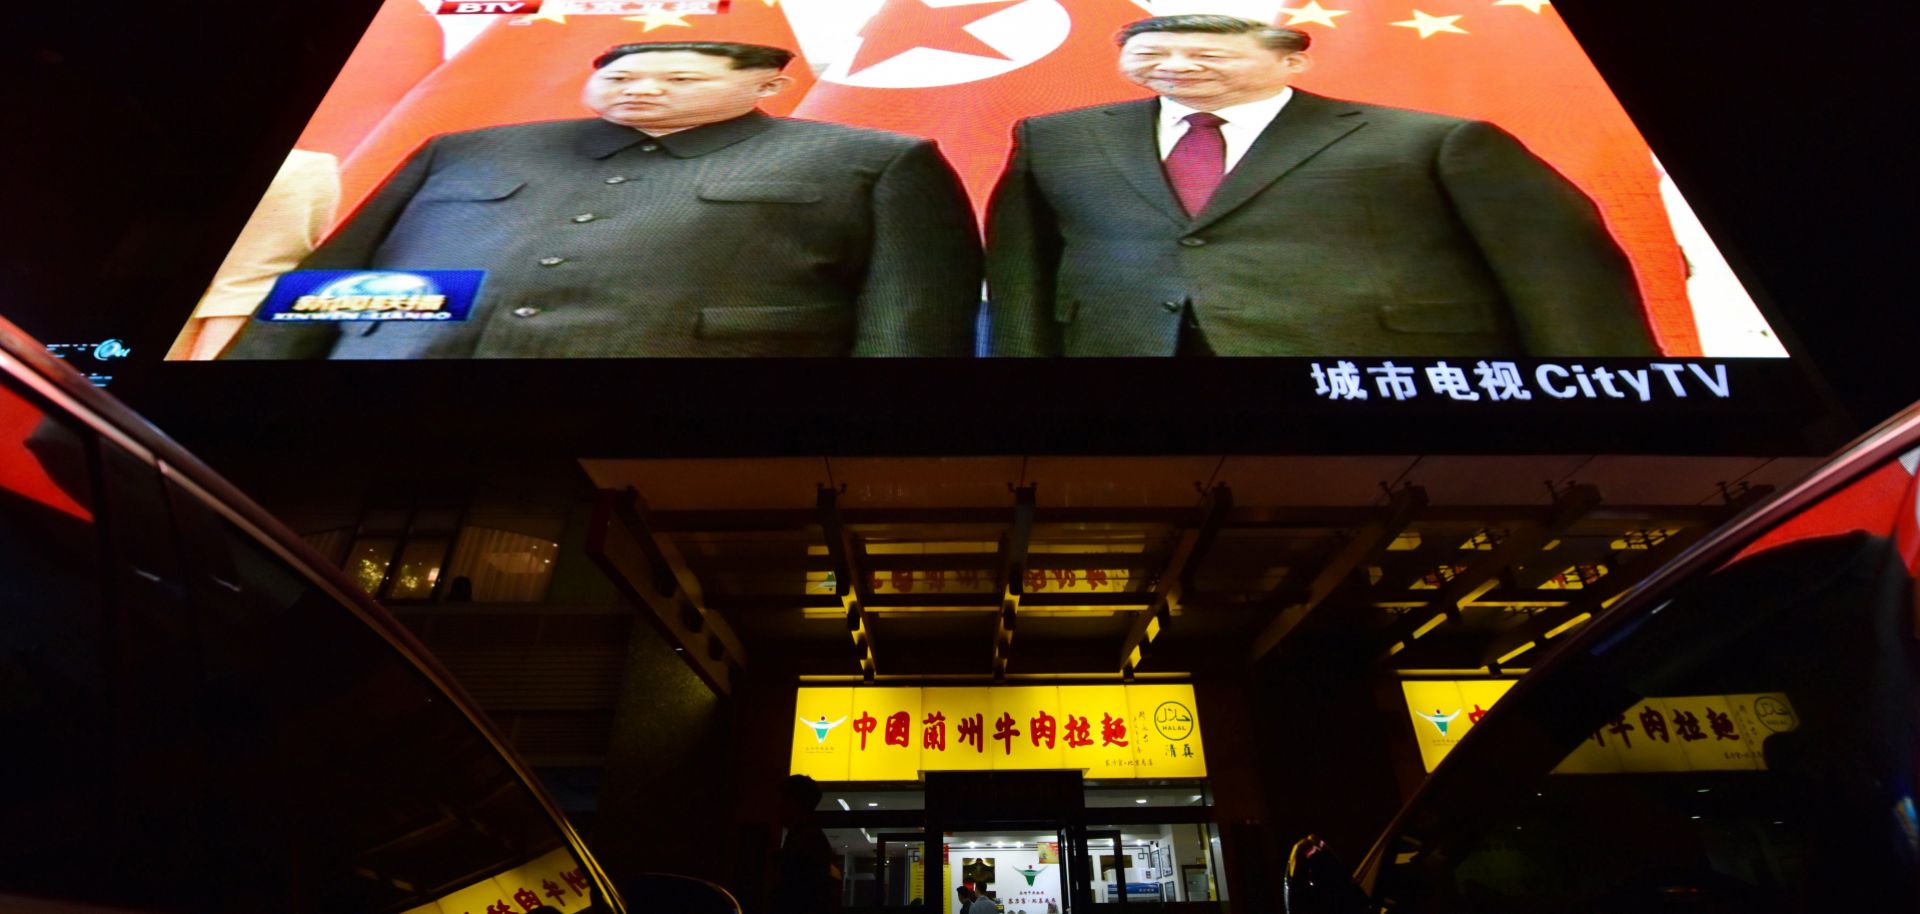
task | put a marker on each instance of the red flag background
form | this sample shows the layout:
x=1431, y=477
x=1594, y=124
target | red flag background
x=1512, y=62
x=531, y=68
x=401, y=46
x=973, y=119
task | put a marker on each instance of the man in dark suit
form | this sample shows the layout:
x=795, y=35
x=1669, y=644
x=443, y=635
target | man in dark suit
x=681, y=222
x=1235, y=215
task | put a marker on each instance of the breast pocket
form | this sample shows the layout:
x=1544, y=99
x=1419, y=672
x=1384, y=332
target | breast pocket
x=475, y=190
x=761, y=192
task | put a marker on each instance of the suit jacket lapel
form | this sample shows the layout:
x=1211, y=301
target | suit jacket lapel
x=1137, y=153
x=1308, y=124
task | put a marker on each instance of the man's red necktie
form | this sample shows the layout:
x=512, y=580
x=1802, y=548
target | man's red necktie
x=1198, y=161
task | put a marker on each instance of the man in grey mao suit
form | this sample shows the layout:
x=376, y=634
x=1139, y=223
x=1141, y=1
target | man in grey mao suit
x=681, y=222
x=1330, y=228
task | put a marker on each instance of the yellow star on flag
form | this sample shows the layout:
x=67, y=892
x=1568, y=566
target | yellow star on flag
x=548, y=13
x=1313, y=12
x=660, y=20
x=1429, y=24
x=1532, y=6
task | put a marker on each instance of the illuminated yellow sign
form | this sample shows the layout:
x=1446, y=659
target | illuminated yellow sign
x=1695, y=733
x=554, y=880
x=895, y=734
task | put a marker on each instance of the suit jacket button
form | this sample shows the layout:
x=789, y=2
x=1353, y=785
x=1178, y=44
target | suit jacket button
x=1173, y=307
x=617, y=179
x=552, y=261
x=1194, y=242
x=650, y=147
x=525, y=312
x=585, y=217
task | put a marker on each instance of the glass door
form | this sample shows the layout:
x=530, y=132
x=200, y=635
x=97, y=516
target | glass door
x=899, y=861
x=1097, y=868
x=1010, y=870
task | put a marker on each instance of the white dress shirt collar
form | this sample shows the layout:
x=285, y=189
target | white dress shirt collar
x=1244, y=123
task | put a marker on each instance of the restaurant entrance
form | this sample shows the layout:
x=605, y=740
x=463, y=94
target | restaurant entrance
x=1011, y=837
x=1028, y=842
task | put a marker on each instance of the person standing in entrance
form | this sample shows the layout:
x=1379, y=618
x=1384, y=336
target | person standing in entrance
x=1317, y=882
x=983, y=904
x=807, y=880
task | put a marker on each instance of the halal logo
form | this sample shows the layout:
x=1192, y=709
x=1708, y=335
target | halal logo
x=1439, y=723
x=1774, y=714
x=821, y=727
x=1173, y=719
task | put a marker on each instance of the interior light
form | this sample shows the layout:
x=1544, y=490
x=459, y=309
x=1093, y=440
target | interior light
x=1429, y=625
x=1142, y=800
x=1196, y=798
x=843, y=803
x=1694, y=818
x=1515, y=652
x=1704, y=790
x=1558, y=630
x=871, y=805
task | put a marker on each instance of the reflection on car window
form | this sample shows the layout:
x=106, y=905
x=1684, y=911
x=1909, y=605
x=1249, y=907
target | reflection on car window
x=1747, y=747
x=57, y=676
x=198, y=728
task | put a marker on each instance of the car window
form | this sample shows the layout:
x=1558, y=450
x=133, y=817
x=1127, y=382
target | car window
x=1747, y=744
x=192, y=725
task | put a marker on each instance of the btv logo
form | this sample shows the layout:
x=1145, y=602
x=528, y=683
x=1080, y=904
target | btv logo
x=449, y=7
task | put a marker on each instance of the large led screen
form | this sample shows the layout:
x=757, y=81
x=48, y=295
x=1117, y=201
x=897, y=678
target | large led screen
x=1448, y=183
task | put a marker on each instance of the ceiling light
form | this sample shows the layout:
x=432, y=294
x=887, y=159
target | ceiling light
x=1196, y=798
x=871, y=805
x=843, y=803
x=1142, y=800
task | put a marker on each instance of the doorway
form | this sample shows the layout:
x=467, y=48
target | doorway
x=1033, y=842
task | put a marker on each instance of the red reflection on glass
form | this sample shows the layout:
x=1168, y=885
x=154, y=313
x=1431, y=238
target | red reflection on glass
x=21, y=470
